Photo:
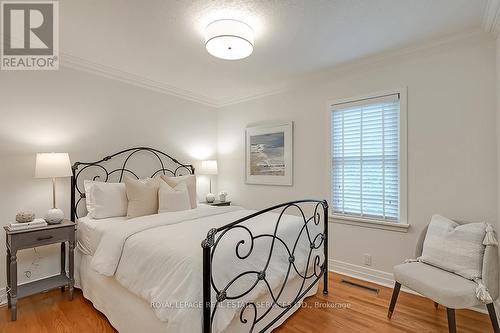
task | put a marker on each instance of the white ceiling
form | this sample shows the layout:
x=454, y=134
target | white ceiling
x=162, y=40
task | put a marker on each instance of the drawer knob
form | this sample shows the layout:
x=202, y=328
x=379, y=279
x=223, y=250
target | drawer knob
x=44, y=238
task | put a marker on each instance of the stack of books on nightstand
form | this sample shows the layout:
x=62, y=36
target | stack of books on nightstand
x=36, y=223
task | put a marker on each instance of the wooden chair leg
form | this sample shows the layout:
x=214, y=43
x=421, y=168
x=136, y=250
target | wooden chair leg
x=394, y=299
x=436, y=305
x=493, y=317
x=452, y=325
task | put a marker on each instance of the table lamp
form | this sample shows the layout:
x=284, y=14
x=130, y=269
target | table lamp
x=53, y=165
x=209, y=168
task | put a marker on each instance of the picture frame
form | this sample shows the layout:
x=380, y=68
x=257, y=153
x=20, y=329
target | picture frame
x=269, y=154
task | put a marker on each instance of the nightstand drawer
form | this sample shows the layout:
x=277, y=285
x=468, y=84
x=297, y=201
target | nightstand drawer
x=36, y=238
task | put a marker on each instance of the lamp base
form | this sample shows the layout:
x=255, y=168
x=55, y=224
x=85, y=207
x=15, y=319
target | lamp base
x=54, y=216
x=210, y=197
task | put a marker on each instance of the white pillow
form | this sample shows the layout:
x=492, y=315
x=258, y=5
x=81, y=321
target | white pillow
x=455, y=248
x=173, y=199
x=105, y=199
x=190, y=181
x=142, y=195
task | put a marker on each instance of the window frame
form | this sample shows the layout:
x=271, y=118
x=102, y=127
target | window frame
x=402, y=224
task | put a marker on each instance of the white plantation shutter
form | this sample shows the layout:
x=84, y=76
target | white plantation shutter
x=365, y=148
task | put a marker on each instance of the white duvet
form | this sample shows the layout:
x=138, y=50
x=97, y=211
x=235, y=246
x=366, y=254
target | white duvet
x=159, y=258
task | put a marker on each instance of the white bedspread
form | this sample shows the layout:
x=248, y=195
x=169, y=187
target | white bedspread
x=159, y=258
x=91, y=230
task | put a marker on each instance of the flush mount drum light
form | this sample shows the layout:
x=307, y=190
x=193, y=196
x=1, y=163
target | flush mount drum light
x=229, y=39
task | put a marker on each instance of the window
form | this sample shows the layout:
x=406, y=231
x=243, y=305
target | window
x=366, y=169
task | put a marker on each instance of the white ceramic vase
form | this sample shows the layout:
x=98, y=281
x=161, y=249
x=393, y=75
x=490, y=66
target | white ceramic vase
x=54, y=216
x=210, y=197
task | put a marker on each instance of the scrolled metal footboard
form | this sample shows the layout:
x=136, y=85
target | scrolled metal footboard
x=310, y=230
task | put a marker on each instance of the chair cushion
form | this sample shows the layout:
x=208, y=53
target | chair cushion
x=445, y=288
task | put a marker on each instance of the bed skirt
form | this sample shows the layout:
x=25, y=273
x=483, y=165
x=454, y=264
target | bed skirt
x=129, y=313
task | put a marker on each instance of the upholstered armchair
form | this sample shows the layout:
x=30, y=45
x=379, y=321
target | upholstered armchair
x=445, y=288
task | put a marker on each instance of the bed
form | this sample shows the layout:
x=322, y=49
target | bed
x=208, y=269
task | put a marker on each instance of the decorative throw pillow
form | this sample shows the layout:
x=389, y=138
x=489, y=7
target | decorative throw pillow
x=173, y=199
x=142, y=196
x=190, y=181
x=105, y=200
x=455, y=248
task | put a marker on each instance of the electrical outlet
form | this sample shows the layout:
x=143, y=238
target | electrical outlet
x=367, y=259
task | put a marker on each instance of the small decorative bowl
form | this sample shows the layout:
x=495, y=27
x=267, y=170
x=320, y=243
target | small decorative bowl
x=24, y=217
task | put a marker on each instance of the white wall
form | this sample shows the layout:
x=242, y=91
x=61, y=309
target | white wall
x=451, y=142
x=89, y=117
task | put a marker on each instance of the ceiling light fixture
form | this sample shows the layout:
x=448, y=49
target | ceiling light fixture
x=229, y=39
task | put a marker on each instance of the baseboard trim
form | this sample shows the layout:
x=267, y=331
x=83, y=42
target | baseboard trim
x=378, y=277
x=363, y=273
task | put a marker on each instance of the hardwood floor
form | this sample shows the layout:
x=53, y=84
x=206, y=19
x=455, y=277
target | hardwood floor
x=350, y=309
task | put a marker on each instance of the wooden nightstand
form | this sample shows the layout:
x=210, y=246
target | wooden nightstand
x=30, y=238
x=219, y=203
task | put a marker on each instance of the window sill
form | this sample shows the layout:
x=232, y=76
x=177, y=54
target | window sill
x=369, y=223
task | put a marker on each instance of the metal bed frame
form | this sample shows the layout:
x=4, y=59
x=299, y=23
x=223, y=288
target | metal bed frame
x=308, y=276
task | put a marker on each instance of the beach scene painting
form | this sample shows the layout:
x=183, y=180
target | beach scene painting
x=269, y=154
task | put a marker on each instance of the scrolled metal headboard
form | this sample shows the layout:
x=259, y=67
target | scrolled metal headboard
x=167, y=165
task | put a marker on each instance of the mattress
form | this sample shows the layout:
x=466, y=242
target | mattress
x=90, y=231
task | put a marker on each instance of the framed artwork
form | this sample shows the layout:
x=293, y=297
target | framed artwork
x=269, y=154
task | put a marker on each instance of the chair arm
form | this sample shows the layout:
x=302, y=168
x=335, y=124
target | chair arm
x=490, y=270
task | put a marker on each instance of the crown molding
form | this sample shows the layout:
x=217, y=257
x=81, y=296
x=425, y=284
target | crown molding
x=80, y=64
x=258, y=95
x=422, y=49
x=491, y=18
x=418, y=49
x=380, y=59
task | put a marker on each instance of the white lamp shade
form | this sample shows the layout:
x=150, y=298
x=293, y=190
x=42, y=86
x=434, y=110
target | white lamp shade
x=208, y=167
x=52, y=165
x=229, y=39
